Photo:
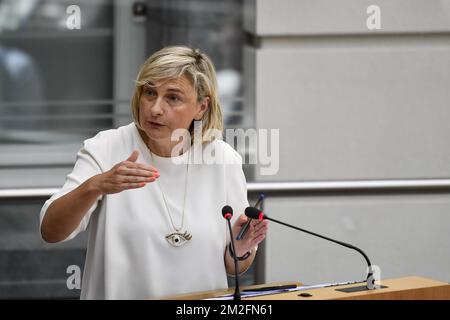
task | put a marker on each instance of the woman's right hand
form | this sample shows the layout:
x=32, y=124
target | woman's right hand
x=125, y=175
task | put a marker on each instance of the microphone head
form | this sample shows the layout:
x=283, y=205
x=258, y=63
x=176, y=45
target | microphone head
x=254, y=213
x=227, y=212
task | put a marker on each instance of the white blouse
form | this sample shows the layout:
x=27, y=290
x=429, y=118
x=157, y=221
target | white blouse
x=128, y=256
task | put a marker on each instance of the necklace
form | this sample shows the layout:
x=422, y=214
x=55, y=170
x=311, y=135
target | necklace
x=176, y=238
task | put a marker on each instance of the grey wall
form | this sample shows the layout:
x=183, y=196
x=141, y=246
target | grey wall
x=404, y=235
x=354, y=104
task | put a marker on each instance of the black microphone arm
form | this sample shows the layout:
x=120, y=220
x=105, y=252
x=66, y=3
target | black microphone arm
x=257, y=214
x=227, y=213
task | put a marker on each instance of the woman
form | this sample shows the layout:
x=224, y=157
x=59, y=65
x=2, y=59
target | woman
x=154, y=212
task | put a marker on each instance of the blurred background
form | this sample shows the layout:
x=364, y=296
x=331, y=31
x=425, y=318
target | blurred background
x=364, y=153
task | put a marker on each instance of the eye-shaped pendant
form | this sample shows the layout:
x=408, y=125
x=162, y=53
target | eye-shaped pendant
x=177, y=239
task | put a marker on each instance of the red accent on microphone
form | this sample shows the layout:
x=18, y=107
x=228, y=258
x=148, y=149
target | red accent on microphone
x=261, y=216
x=227, y=215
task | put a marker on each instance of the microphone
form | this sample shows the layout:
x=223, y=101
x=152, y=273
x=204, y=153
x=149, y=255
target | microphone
x=227, y=213
x=244, y=229
x=254, y=213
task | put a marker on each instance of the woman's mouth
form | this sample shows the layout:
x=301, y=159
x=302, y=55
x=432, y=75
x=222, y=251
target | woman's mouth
x=155, y=124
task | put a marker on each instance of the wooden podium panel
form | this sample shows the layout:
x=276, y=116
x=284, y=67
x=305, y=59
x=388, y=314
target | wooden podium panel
x=407, y=288
x=217, y=293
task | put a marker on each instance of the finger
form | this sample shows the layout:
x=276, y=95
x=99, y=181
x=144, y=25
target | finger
x=254, y=235
x=134, y=156
x=258, y=240
x=241, y=220
x=126, y=186
x=136, y=179
x=259, y=222
x=255, y=224
x=260, y=232
x=137, y=172
x=264, y=224
x=141, y=166
x=249, y=233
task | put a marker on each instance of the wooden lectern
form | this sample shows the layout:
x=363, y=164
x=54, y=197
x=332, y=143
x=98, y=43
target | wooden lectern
x=408, y=288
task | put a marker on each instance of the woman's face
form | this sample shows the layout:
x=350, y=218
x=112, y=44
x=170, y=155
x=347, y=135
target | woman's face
x=169, y=105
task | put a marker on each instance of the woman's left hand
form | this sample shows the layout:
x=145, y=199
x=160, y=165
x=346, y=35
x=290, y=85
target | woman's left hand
x=255, y=234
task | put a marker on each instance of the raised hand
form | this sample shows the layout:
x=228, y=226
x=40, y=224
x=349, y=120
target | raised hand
x=126, y=175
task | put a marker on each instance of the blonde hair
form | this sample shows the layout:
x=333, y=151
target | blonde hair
x=173, y=62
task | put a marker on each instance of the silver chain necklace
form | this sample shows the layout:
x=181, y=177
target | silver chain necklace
x=176, y=238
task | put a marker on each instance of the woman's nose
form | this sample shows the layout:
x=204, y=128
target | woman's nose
x=157, y=108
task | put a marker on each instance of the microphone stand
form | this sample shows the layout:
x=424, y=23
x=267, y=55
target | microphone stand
x=370, y=281
x=237, y=292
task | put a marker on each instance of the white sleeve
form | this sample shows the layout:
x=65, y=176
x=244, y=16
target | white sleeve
x=85, y=167
x=236, y=188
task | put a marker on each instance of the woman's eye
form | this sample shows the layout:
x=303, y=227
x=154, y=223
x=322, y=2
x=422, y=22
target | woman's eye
x=177, y=239
x=150, y=92
x=174, y=98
